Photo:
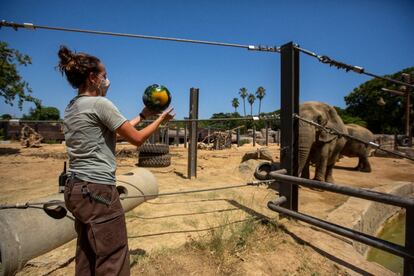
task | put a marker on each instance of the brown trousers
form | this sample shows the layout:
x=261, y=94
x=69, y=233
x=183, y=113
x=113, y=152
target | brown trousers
x=102, y=245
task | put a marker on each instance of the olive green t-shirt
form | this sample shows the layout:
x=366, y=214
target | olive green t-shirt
x=89, y=126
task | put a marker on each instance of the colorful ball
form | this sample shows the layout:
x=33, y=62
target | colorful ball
x=156, y=97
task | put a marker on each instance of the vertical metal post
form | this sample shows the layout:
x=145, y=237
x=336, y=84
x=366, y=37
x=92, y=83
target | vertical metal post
x=238, y=137
x=254, y=135
x=231, y=137
x=289, y=126
x=185, y=134
x=267, y=133
x=167, y=135
x=409, y=240
x=407, y=90
x=208, y=136
x=177, y=136
x=192, y=149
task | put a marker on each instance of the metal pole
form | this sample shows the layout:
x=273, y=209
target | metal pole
x=409, y=240
x=405, y=202
x=238, y=137
x=267, y=133
x=208, y=136
x=407, y=90
x=254, y=135
x=167, y=135
x=289, y=127
x=346, y=232
x=185, y=134
x=192, y=149
x=177, y=136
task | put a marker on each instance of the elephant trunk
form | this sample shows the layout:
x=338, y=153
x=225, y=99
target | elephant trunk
x=306, y=141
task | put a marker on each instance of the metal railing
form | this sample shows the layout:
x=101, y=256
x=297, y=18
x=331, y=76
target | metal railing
x=287, y=203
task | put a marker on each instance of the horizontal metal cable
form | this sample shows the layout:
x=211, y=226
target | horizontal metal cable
x=347, y=67
x=60, y=202
x=253, y=183
x=31, y=26
x=264, y=118
x=341, y=134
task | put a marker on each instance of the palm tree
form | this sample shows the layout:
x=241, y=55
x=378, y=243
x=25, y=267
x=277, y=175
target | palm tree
x=251, y=99
x=243, y=95
x=235, y=103
x=260, y=93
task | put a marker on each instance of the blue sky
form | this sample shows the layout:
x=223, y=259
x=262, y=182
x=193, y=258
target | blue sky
x=377, y=35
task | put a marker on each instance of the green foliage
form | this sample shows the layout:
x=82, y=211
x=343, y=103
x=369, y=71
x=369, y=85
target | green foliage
x=235, y=103
x=260, y=94
x=251, y=98
x=225, y=124
x=43, y=113
x=11, y=83
x=364, y=103
x=6, y=116
x=349, y=119
x=243, y=95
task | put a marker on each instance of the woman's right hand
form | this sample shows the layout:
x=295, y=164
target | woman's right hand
x=168, y=114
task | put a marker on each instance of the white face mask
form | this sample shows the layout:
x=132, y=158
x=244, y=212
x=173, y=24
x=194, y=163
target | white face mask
x=103, y=87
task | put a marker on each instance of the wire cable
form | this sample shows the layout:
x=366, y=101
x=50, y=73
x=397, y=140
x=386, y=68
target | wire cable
x=31, y=26
x=341, y=134
x=60, y=202
x=347, y=67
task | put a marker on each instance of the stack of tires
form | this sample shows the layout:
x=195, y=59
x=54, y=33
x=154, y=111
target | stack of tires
x=154, y=155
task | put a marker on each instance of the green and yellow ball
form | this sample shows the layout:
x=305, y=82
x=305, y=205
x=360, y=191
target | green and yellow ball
x=156, y=97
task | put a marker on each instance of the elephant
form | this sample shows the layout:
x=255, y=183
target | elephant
x=354, y=148
x=318, y=146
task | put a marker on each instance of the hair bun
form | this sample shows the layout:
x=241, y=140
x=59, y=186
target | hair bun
x=65, y=55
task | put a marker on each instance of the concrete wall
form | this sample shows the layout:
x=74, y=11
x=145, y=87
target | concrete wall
x=368, y=216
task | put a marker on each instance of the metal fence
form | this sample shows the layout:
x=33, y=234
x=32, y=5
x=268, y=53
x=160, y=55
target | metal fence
x=287, y=203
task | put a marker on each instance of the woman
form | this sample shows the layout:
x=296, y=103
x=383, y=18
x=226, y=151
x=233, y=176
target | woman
x=91, y=123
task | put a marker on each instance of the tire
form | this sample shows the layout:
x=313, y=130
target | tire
x=153, y=149
x=155, y=161
x=263, y=169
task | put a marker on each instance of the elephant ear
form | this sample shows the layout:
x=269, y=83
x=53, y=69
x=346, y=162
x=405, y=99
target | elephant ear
x=324, y=136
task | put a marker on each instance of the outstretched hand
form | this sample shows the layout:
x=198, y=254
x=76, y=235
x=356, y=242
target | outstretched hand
x=168, y=114
x=148, y=112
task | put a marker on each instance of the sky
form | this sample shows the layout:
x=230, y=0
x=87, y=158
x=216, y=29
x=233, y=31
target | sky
x=377, y=35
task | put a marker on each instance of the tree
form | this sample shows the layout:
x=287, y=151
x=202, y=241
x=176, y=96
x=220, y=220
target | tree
x=6, y=116
x=260, y=93
x=251, y=98
x=349, y=119
x=11, y=83
x=243, y=95
x=43, y=113
x=235, y=103
x=382, y=111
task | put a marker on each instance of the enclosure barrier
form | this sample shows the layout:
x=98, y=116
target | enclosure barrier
x=287, y=203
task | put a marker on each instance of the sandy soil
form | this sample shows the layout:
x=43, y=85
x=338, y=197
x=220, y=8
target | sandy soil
x=169, y=222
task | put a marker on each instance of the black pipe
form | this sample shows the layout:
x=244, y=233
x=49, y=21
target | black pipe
x=350, y=191
x=346, y=232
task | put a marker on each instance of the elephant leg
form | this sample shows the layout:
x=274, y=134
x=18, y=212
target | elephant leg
x=366, y=166
x=305, y=171
x=321, y=164
x=329, y=177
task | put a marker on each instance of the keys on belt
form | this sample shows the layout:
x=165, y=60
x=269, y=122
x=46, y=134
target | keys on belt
x=98, y=198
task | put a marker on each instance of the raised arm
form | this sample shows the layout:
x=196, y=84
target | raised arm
x=138, y=137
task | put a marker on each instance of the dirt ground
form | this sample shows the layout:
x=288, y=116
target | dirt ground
x=160, y=231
